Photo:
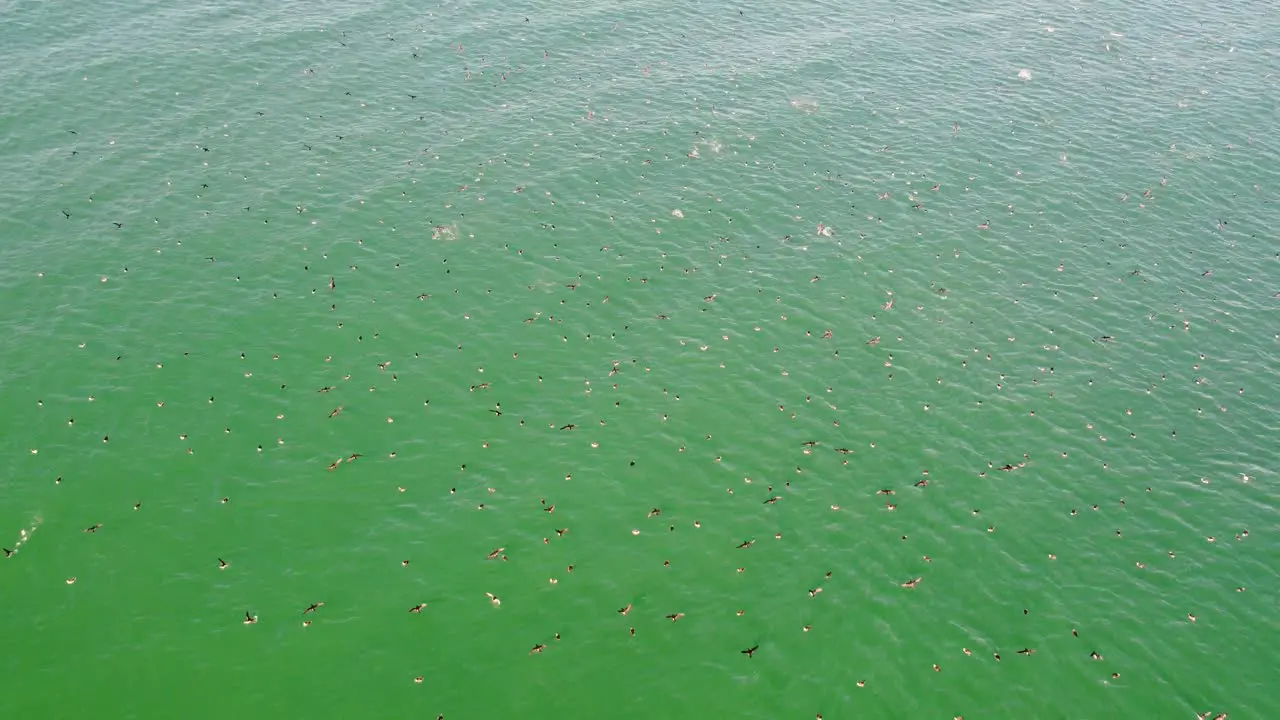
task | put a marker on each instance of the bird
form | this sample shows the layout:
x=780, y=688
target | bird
x=313, y=607
x=250, y=619
x=417, y=608
x=538, y=648
x=675, y=616
x=625, y=610
x=751, y=651
x=223, y=564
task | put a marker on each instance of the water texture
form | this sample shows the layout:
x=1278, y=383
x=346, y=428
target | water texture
x=888, y=340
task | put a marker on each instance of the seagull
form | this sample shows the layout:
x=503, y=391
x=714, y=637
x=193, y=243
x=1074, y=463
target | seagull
x=751, y=651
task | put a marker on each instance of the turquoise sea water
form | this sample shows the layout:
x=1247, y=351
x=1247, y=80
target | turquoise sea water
x=1088, y=297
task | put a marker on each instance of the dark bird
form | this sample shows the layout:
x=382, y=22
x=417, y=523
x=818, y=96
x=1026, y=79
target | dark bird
x=495, y=411
x=93, y=528
x=751, y=651
x=64, y=212
x=118, y=225
x=1027, y=651
x=336, y=411
x=417, y=608
x=538, y=648
x=9, y=553
x=625, y=610
x=746, y=544
x=570, y=426
x=675, y=616
x=313, y=608
x=332, y=285
x=325, y=389
x=250, y=619
x=222, y=564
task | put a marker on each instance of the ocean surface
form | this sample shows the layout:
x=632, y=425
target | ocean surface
x=928, y=351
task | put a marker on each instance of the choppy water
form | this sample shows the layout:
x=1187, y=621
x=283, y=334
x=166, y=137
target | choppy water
x=492, y=189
